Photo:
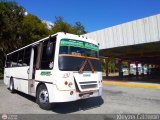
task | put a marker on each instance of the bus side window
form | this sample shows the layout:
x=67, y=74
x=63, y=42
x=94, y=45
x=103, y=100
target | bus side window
x=27, y=56
x=8, y=61
x=48, y=54
x=14, y=59
x=20, y=57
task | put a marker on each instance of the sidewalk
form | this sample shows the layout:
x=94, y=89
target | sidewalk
x=136, y=84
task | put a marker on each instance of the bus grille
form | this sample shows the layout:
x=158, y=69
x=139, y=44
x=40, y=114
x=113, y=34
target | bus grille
x=88, y=85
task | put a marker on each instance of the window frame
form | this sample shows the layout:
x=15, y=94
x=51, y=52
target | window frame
x=44, y=43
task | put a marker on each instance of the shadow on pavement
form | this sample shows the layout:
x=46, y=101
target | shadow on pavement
x=79, y=105
x=31, y=98
x=70, y=107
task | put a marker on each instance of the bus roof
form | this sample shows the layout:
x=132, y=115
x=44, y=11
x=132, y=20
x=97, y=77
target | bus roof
x=32, y=44
x=35, y=43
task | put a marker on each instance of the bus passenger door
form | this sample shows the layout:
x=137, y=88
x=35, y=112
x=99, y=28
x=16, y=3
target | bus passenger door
x=34, y=66
x=30, y=74
x=45, y=60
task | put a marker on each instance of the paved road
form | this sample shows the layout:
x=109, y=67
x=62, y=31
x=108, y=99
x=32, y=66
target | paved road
x=115, y=100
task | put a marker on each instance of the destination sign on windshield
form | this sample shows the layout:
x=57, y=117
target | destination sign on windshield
x=77, y=43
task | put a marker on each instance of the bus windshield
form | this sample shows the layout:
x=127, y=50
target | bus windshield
x=73, y=53
x=76, y=47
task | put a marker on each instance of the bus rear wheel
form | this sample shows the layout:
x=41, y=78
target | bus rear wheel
x=42, y=98
x=11, y=86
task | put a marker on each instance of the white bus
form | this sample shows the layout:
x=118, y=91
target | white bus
x=60, y=68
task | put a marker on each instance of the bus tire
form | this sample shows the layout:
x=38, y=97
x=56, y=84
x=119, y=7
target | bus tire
x=11, y=86
x=42, y=97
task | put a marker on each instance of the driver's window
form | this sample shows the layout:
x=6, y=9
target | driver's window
x=48, y=50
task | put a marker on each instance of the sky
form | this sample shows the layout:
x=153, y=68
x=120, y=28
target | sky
x=93, y=14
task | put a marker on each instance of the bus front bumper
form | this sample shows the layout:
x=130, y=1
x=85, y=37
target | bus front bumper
x=56, y=96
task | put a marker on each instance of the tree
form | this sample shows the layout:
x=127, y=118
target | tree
x=33, y=29
x=79, y=29
x=18, y=29
x=61, y=26
x=11, y=17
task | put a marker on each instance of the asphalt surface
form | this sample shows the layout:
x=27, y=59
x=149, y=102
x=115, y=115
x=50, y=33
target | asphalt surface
x=115, y=100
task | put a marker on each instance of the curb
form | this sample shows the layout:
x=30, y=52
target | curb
x=129, y=84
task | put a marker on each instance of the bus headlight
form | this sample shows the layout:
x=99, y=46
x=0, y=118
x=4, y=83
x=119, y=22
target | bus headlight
x=66, y=75
x=70, y=84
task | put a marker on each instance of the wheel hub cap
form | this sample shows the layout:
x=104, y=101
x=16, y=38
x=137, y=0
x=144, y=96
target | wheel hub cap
x=43, y=96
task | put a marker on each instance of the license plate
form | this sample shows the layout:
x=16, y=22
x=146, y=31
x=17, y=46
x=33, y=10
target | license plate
x=85, y=96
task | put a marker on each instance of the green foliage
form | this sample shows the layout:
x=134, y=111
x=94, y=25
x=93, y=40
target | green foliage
x=33, y=29
x=111, y=66
x=61, y=26
x=17, y=29
x=124, y=63
x=103, y=64
x=11, y=17
x=78, y=29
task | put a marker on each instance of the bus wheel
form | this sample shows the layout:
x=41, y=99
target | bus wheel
x=11, y=86
x=43, y=97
